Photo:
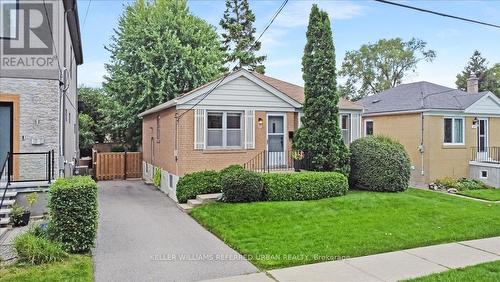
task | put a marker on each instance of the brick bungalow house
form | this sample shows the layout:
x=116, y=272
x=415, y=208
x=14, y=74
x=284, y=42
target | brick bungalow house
x=447, y=132
x=246, y=116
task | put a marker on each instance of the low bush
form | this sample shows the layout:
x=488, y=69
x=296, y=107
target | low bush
x=37, y=250
x=230, y=169
x=379, y=164
x=241, y=186
x=73, y=213
x=157, y=177
x=304, y=185
x=461, y=184
x=196, y=183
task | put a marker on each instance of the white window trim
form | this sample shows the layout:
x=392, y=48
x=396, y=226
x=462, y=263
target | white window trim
x=481, y=174
x=364, y=126
x=453, y=143
x=224, y=130
x=349, y=126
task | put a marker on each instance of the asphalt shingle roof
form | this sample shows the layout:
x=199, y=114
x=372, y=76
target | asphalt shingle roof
x=419, y=96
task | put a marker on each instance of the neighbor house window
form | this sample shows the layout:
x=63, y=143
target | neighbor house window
x=453, y=130
x=224, y=130
x=345, y=126
x=368, y=127
x=8, y=19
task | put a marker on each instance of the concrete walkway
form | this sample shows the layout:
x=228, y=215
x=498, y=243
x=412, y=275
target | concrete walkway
x=393, y=266
x=143, y=236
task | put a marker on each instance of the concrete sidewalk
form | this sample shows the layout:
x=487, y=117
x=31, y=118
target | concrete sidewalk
x=393, y=266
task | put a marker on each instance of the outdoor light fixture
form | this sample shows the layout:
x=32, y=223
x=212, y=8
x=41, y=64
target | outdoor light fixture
x=260, y=122
x=475, y=122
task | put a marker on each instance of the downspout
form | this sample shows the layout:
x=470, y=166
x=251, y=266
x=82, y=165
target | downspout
x=421, y=147
x=176, y=142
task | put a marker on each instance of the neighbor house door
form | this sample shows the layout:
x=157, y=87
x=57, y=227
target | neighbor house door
x=276, y=155
x=482, y=140
x=5, y=130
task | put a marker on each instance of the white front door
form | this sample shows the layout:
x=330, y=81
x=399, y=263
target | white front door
x=482, y=140
x=276, y=154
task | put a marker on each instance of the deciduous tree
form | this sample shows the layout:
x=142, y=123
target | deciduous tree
x=159, y=51
x=383, y=65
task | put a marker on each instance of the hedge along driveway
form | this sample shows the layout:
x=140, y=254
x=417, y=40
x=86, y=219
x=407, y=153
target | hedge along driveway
x=280, y=234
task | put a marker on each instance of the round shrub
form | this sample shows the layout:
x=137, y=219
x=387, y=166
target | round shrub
x=242, y=186
x=379, y=164
x=196, y=183
x=73, y=213
x=302, y=186
x=231, y=168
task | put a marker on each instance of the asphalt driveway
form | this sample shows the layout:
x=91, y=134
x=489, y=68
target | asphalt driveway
x=143, y=236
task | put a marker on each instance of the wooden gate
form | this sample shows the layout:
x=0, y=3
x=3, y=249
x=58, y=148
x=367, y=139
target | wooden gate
x=109, y=166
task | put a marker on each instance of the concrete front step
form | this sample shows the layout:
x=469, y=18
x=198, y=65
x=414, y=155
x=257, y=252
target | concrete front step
x=185, y=207
x=194, y=203
x=4, y=220
x=208, y=198
x=8, y=203
x=5, y=211
x=8, y=194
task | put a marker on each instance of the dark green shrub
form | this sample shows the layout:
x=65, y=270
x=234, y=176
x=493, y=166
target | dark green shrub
x=196, y=183
x=242, y=186
x=37, y=250
x=230, y=169
x=73, y=213
x=304, y=185
x=379, y=164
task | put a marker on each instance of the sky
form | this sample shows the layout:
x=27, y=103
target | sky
x=354, y=23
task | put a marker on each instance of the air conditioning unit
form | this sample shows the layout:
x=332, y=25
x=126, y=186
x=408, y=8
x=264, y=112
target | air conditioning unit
x=81, y=170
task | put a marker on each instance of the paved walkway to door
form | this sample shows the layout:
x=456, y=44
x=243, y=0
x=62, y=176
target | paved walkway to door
x=143, y=236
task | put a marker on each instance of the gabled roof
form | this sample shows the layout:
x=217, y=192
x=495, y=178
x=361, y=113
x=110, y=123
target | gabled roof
x=285, y=89
x=419, y=96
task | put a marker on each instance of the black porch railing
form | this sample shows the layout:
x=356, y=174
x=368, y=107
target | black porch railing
x=485, y=154
x=267, y=161
x=30, y=167
x=4, y=166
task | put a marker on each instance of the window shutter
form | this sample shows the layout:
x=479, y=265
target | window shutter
x=249, y=129
x=199, y=129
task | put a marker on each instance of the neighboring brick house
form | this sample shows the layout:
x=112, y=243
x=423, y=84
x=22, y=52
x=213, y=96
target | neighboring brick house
x=447, y=132
x=246, y=115
x=38, y=87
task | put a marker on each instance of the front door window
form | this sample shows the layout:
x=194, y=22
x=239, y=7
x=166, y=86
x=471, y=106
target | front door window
x=276, y=140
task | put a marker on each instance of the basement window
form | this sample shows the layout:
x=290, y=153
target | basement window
x=484, y=174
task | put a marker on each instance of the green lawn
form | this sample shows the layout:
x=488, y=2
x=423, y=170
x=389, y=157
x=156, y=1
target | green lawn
x=75, y=268
x=485, y=272
x=485, y=194
x=280, y=234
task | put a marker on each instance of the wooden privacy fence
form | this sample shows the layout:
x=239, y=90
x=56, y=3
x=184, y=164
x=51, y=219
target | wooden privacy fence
x=108, y=166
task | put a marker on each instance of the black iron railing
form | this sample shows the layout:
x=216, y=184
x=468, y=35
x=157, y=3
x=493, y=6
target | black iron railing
x=267, y=161
x=4, y=165
x=34, y=167
x=485, y=154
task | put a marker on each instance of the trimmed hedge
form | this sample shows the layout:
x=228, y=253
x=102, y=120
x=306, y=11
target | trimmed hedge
x=462, y=184
x=379, y=164
x=230, y=169
x=304, y=185
x=196, y=183
x=73, y=213
x=37, y=250
x=241, y=186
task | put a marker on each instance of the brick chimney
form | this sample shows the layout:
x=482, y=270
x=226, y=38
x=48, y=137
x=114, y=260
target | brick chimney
x=473, y=84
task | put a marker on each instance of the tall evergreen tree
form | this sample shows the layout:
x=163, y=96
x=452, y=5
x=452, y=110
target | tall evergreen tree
x=320, y=134
x=238, y=36
x=477, y=65
x=159, y=51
